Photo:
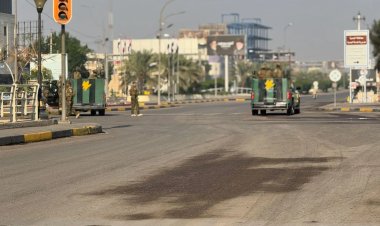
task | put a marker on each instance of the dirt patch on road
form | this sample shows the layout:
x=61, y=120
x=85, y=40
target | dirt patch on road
x=191, y=189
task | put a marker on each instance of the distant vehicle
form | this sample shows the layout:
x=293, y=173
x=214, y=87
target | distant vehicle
x=89, y=95
x=272, y=94
x=52, y=94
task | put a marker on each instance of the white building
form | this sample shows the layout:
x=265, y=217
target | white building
x=186, y=46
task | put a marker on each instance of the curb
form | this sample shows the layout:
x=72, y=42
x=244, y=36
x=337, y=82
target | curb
x=351, y=109
x=176, y=103
x=49, y=135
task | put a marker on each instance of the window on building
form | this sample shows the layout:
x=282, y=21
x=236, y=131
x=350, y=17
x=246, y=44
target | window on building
x=5, y=31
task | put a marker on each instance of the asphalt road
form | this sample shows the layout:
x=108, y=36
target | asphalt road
x=200, y=164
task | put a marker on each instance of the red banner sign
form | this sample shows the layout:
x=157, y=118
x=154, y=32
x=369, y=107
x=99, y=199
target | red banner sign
x=356, y=40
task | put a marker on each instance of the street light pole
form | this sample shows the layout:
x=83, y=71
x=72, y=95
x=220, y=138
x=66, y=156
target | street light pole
x=16, y=79
x=358, y=18
x=40, y=6
x=285, y=29
x=159, y=50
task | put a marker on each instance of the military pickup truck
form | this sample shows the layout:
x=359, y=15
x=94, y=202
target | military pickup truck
x=270, y=94
x=89, y=95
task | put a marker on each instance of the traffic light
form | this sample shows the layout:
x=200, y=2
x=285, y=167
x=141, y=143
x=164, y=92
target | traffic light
x=62, y=11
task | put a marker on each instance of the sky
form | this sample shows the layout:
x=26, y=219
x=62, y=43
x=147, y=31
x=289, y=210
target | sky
x=316, y=33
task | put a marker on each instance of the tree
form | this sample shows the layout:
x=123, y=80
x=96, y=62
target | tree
x=75, y=50
x=375, y=40
x=143, y=67
x=246, y=69
x=305, y=80
x=190, y=75
x=189, y=72
x=137, y=68
x=46, y=74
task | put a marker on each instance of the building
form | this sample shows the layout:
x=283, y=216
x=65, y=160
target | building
x=192, y=43
x=257, y=34
x=6, y=38
x=94, y=63
x=6, y=25
x=123, y=47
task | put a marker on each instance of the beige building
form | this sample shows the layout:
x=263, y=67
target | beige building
x=186, y=46
x=95, y=62
x=122, y=47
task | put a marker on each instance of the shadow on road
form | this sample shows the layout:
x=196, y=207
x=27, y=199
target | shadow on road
x=192, y=188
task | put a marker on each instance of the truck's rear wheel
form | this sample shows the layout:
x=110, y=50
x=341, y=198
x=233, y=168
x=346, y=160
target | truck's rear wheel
x=102, y=112
x=255, y=112
x=290, y=110
x=93, y=112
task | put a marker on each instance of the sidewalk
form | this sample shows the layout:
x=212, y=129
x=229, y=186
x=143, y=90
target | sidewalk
x=35, y=131
x=347, y=107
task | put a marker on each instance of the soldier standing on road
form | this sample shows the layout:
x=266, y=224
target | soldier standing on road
x=133, y=92
x=69, y=98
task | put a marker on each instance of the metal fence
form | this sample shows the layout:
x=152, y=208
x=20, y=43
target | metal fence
x=19, y=101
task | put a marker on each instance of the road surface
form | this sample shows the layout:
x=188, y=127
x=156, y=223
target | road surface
x=200, y=164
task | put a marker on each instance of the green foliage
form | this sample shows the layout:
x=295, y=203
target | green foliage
x=324, y=84
x=375, y=40
x=137, y=68
x=46, y=75
x=305, y=80
x=210, y=83
x=245, y=69
x=143, y=67
x=190, y=75
x=75, y=50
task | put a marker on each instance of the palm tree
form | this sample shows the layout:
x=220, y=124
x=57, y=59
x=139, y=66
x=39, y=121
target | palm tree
x=137, y=68
x=244, y=69
x=190, y=74
x=375, y=40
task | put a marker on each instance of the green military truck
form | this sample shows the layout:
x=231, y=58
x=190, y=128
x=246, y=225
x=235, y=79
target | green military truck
x=270, y=94
x=89, y=95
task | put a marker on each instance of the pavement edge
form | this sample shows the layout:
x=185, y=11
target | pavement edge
x=50, y=135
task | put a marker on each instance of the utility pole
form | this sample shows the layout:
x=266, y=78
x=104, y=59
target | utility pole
x=15, y=45
x=358, y=19
x=160, y=23
x=51, y=43
x=63, y=74
x=62, y=12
